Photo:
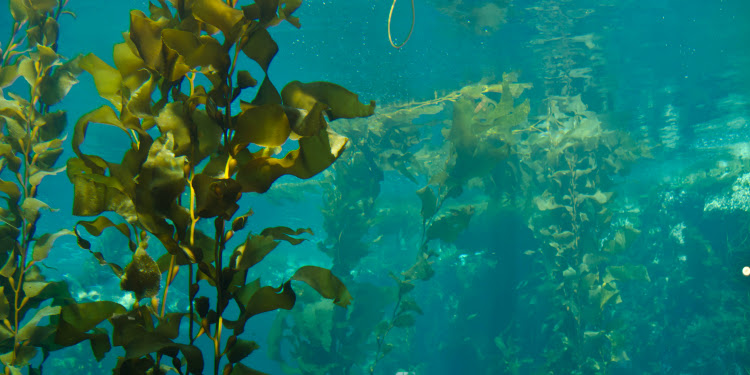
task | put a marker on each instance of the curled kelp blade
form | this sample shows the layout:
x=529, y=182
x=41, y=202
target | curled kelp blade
x=341, y=102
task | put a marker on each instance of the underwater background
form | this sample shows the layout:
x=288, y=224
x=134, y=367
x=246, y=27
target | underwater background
x=541, y=187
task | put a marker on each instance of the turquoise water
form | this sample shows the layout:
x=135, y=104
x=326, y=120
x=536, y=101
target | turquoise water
x=594, y=221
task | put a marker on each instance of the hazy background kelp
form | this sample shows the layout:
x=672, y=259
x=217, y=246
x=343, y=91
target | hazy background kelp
x=673, y=74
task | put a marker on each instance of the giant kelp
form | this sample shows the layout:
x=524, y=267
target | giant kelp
x=394, y=141
x=179, y=73
x=479, y=140
x=31, y=142
x=349, y=215
x=567, y=163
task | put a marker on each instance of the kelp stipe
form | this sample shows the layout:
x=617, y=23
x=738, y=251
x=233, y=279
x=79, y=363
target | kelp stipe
x=202, y=153
x=31, y=142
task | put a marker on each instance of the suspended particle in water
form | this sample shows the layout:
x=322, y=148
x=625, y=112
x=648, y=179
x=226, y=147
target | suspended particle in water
x=746, y=271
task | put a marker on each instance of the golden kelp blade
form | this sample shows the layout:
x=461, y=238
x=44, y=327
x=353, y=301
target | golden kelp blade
x=341, y=102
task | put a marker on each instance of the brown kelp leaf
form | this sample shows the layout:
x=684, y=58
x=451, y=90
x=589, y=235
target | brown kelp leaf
x=546, y=202
x=267, y=93
x=196, y=51
x=34, y=35
x=145, y=343
x=44, y=5
x=193, y=356
x=128, y=326
x=429, y=202
x=4, y=305
x=285, y=233
x=100, y=344
x=217, y=13
x=11, y=264
x=169, y=325
x=195, y=136
x=125, y=56
x=107, y=79
x=50, y=32
x=624, y=236
x=159, y=12
x=215, y=196
x=11, y=189
x=505, y=116
x=328, y=285
x=244, y=293
x=54, y=124
x=140, y=102
x=16, y=132
x=476, y=151
x=8, y=75
x=285, y=12
x=14, y=162
x=174, y=118
x=604, y=294
x=258, y=45
x=447, y=227
x=152, y=342
x=30, y=327
x=241, y=349
x=146, y=36
x=314, y=155
x=36, y=177
x=30, y=209
x=269, y=298
x=342, y=103
x=309, y=125
x=42, y=147
x=160, y=182
x=404, y=320
x=264, y=125
x=19, y=10
x=263, y=11
x=244, y=80
x=78, y=318
x=599, y=197
x=53, y=88
x=43, y=244
x=208, y=135
x=408, y=303
x=19, y=359
x=201, y=251
x=142, y=275
x=256, y=247
x=420, y=270
x=627, y=272
x=239, y=222
x=45, y=56
x=202, y=306
x=94, y=194
x=134, y=366
x=164, y=261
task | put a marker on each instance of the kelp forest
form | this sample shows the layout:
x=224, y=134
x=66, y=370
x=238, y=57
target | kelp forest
x=235, y=223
